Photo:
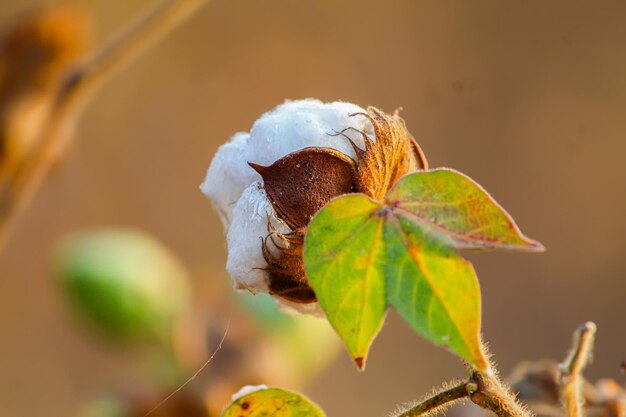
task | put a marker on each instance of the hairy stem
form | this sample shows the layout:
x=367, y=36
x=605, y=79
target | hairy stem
x=76, y=90
x=484, y=388
x=495, y=396
x=571, y=369
x=440, y=400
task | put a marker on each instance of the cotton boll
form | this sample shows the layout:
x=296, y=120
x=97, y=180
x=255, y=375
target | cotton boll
x=236, y=190
x=248, y=227
x=228, y=175
x=295, y=125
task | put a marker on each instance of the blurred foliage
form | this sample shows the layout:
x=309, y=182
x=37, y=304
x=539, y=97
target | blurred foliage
x=537, y=384
x=302, y=345
x=35, y=55
x=141, y=402
x=125, y=282
x=128, y=287
x=272, y=402
x=106, y=407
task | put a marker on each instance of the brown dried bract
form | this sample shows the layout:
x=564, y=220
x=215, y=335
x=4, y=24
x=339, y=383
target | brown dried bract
x=286, y=271
x=301, y=183
x=393, y=154
x=298, y=185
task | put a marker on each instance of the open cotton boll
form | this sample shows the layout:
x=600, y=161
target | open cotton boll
x=236, y=190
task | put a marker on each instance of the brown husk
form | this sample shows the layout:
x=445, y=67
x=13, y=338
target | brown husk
x=301, y=183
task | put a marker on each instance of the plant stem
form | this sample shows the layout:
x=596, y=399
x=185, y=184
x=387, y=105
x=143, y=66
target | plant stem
x=484, y=389
x=493, y=395
x=571, y=369
x=441, y=399
x=75, y=91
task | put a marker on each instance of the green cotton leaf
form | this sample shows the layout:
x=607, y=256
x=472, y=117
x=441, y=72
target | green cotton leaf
x=434, y=289
x=343, y=258
x=274, y=402
x=452, y=207
x=361, y=256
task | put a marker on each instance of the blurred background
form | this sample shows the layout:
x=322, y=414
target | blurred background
x=527, y=98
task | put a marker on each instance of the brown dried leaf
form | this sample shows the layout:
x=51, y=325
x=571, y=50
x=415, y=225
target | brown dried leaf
x=612, y=396
x=537, y=384
x=417, y=158
x=304, y=181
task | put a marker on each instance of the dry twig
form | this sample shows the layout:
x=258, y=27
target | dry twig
x=75, y=92
x=571, y=369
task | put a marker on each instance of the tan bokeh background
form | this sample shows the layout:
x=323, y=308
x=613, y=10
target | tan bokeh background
x=528, y=98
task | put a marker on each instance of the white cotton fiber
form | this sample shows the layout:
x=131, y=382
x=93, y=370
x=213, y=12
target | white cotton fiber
x=295, y=125
x=248, y=226
x=228, y=175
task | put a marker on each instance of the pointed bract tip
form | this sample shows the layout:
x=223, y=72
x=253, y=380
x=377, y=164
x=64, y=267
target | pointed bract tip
x=258, y=168
x=360, y=363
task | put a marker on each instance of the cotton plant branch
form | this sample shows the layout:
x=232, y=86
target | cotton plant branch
x=79, y=86
x=571, y=370
x=439, y=401
x=483, y=388
x=494, y=395
x=486, y=390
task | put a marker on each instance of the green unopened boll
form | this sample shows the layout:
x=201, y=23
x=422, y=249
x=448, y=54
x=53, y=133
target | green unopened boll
x=124, y=282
